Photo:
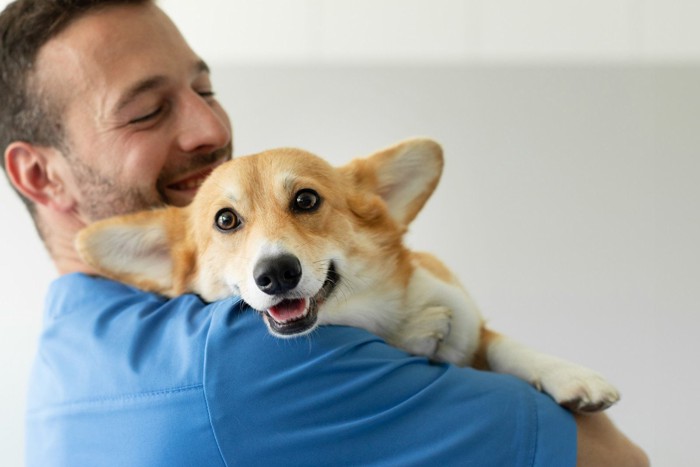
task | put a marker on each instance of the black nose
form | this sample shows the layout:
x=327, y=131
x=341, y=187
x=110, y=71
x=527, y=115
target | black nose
x=278, y=274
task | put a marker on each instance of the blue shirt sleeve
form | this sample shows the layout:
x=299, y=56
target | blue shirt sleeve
x=125, y=377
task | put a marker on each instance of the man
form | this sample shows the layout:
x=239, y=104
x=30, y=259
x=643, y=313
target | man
x=106, y=110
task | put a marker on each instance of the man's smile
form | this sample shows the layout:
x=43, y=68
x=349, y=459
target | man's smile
x=192, y=182
x=184, y=186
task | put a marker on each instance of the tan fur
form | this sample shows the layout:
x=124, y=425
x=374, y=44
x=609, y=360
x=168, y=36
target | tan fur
x=353, y=266
x=435, y=266
x=487, y=338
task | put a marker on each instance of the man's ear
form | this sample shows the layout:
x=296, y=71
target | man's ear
x=403, y=175
x=34, y=172
x=142, y=249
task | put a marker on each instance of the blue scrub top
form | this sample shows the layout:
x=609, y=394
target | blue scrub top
x=128, y=378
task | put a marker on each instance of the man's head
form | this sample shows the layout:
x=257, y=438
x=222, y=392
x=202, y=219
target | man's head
x=106, y=110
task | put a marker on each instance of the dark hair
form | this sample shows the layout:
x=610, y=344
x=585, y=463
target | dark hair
x=25, y=26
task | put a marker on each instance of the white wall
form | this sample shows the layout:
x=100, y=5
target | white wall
x=273, y=31
x=334, y=31
x=569, y=204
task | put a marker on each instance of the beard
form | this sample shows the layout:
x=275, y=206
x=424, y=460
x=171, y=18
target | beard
x=104, y=196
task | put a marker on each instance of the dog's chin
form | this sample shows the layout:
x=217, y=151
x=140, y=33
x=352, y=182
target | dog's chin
x=297, y=316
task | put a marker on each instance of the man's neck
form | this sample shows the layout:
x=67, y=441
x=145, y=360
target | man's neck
x=60, y=230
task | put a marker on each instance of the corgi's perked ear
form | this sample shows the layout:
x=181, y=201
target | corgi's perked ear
x=140, y=249
x=404, y=175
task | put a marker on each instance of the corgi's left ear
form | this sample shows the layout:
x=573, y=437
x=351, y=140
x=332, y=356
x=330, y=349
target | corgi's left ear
x=403, y=175
x=140, y=249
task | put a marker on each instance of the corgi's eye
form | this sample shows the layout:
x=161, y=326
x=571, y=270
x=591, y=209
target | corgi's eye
x=306, y=200
x=227, y=220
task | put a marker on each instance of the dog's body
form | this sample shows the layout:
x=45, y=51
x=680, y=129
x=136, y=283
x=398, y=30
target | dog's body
x=306, y=244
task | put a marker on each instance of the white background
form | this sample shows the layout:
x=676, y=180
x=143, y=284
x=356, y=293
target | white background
x=569, y=204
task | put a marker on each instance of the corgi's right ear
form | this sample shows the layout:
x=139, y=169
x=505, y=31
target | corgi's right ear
x=140, y=249
x=403, y=175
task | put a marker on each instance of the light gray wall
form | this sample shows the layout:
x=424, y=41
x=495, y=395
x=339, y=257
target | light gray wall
x=270, y=31
x=569, y=204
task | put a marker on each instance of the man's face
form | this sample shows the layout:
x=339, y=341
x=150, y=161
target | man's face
x=142, y=126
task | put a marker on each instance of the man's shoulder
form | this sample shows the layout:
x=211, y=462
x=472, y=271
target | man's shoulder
x=118, y=378
x=120, y=347
x=105, y=340
x=395, y=407
x=83, y=293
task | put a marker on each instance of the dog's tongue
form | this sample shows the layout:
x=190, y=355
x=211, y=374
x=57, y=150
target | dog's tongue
x=288, y=310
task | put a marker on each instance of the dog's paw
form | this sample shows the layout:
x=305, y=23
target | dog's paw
x=577, y=388
x=424, y=333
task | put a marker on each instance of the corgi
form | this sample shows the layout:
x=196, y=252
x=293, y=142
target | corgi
x=307, y=244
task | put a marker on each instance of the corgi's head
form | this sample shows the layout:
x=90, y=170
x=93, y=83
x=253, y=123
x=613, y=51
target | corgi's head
x=283, y=229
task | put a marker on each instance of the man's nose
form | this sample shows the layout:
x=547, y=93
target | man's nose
x=203, y=125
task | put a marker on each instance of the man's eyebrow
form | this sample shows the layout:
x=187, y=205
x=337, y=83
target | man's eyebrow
x=148, y=84
x=138, y=88
x=202, y=67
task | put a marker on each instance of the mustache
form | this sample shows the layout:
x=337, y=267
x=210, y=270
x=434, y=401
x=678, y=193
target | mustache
x=194, y=163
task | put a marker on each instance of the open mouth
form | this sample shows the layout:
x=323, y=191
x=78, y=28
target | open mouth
x=180, y=192
x=294, y=316
x=194, y=181
x=191, y=183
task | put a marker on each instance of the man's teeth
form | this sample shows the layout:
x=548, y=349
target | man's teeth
x=189, y=184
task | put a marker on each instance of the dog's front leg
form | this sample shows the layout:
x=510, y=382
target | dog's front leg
x=573, y=386
x=440, y=319
x=425, y=331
